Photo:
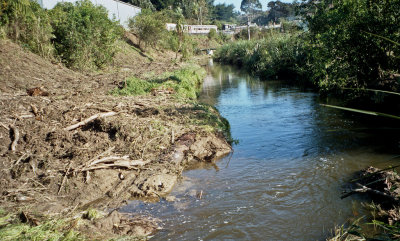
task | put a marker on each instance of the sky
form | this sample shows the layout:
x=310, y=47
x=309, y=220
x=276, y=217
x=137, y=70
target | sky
x=237, y=3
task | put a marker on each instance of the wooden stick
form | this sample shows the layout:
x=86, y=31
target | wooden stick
x=108, y=159
x=16, y=137
x=64, y=178
x=100, y=155
x=367, y=189
x=93, y=117
x=3, y=125
x=129, y=164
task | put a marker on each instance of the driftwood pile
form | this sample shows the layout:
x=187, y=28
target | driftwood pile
x=382, y=183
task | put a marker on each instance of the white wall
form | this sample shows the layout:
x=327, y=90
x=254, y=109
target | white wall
x=120, y=10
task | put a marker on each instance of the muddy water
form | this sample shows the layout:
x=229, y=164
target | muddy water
x=284, y=179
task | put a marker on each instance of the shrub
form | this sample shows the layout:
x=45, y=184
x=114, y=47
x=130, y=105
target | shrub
x=148, y=26
x=84, y=35
x=212, y=34
x=28, y=24
x=345, y=48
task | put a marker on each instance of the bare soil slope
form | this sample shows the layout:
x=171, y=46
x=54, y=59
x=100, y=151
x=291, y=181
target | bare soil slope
x=131, y=147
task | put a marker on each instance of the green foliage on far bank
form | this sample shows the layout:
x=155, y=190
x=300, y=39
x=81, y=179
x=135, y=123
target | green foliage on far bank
x=349, y=44
x=183, y=83
x=278, y=55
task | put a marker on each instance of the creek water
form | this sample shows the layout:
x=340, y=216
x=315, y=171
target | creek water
x=285, y=177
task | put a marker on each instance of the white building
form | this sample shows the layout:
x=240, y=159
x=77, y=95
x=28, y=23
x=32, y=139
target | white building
x=120, y=10
x=193, y=29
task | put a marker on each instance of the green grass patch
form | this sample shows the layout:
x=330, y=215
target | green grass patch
x=134, y=86
x=184, y=82
x=50, y=230
x=11, y=228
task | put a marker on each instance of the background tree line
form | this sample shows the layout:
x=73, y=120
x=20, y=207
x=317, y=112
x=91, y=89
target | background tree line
x=194, y=11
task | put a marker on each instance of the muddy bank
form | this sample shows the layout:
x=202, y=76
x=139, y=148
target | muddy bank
x=68, y=145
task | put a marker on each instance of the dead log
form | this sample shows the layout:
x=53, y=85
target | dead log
x=93, y=117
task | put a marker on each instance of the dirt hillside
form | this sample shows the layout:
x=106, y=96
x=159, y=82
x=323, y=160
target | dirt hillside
x=119, y=149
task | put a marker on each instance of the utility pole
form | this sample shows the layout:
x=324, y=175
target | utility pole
x=248, y=25
x=201, y=17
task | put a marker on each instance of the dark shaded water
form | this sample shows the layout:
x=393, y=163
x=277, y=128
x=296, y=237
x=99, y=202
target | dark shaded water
x=285, y=177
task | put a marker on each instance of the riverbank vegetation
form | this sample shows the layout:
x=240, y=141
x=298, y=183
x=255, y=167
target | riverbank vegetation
x=344, y=44
x=277, y=55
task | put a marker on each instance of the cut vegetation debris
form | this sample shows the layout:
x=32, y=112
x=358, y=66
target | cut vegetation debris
x=80, y=147
x=383, y=187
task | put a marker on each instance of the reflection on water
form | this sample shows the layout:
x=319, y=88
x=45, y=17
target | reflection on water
x=283, y=180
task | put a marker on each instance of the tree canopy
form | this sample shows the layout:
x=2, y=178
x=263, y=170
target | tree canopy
x=250, y=6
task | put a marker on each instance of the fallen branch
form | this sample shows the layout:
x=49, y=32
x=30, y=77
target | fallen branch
x=4, y=125
x=93, y=117
x=25, y=116
x=16, y=137
x=98, y=156
x=64, y=178
x=364, y=189
x=114, y=161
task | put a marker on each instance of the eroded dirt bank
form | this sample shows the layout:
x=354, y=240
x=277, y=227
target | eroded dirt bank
x=119, y=149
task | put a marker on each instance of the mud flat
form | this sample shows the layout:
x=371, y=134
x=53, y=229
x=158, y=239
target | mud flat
x=68, y=148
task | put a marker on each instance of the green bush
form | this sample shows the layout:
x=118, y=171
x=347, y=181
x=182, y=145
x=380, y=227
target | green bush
x=347, y=46
x=149, y=27
x=28, y=24
x=212, y=34
x=84, y=36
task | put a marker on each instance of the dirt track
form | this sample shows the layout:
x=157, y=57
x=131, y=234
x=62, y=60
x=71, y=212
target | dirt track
x=139, y=151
